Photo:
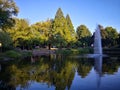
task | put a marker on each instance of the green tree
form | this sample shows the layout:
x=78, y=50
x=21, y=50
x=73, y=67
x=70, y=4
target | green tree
x=71, y=28
x=83, y=35
x=42, y=31
x=112, y=32
x=61, y=32
x=8, y=9
x=5, y=40
x=83, y=31
x=59, y=27
x=20, y=33
x=111, y=36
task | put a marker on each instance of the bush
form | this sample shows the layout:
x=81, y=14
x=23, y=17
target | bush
x=26, y=54
x=13, y=54
x=75, y=51
x=5, y=40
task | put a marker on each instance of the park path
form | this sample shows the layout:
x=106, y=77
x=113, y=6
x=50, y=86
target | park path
x=39, y=52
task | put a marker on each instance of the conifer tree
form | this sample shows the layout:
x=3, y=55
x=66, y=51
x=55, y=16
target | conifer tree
x=62, y=34
x=71, y=28
x=60, y=28
x=69, y=23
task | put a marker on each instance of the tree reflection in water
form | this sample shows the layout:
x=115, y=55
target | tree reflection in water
x=54, y=70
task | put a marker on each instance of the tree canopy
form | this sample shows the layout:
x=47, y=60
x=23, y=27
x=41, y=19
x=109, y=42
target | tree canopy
x=109, y=36
x=57, y=32
x=8, y=9
x=42, y=31
x=111, y=32
x=20, y=32
x=83, y=31
x=83, y=35
x=5, y=39
x=63, y=29
x=71, y=28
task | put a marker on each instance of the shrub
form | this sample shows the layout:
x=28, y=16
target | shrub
x=13, y=54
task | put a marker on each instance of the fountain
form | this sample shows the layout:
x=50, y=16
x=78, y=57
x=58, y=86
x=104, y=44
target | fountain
x=98, y=53
x=97, y=45
x=97, y=41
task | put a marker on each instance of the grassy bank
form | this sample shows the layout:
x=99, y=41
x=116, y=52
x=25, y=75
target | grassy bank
x=14, y=54
x=74, y=51
x=18, y=54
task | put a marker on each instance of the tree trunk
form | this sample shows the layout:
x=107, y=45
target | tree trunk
x=49, y=46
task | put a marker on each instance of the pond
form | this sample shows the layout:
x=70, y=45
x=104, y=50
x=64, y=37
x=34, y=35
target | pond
x=59, y=72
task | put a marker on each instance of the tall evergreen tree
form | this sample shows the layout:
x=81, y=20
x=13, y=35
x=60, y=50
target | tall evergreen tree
x=69, y=23
x=70, y=27
x=61, y=32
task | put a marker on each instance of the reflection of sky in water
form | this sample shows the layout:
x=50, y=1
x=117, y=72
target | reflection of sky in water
x=38, y=86
x=95, y=80
x=95, y=77
x=89, y=82
x=112, y=82
x=108, y=82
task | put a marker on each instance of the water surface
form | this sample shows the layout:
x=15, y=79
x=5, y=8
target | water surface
x=59, y=72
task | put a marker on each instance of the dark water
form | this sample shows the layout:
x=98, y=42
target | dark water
x=58, y=72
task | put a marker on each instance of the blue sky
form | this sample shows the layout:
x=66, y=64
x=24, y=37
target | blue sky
x=87, y=12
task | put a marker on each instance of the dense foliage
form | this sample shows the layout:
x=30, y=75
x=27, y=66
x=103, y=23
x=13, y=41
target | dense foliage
x=5, y=40
x=84, y=36
x=58, y=32
x=63, y=29
x=8, y=8
x=20, y=33
x=110, y=37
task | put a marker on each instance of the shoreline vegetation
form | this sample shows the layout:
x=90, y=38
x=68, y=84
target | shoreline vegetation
x=15, y=54
x=19, y=54
x=54, y=32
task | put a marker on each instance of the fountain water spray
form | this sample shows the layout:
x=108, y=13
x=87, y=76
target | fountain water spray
x=97, y=41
